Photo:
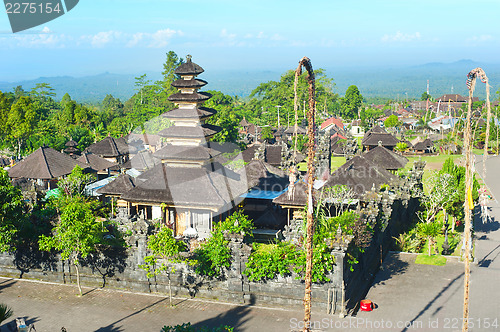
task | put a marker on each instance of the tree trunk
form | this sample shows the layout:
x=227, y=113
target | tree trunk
x=170, y=290
x=78, y=279
x=19, y=144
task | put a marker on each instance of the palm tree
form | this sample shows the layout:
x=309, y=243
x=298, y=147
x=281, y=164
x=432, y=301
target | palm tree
x=5, y=312
x=430, y=231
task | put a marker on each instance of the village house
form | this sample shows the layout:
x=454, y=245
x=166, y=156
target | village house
x=386, y=158
x=45, y=166
x=377, y=135
x=115, y=150
x=102, y=167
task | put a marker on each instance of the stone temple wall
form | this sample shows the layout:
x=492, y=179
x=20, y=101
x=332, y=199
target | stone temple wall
x=118, y=268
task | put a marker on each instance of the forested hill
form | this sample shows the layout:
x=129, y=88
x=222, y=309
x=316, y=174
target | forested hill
x=372, y=82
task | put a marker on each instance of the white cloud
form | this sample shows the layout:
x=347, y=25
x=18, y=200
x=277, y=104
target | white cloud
x=481, y=38
x=136, y=38
x=401, y=37
x=102, y=38
x=225, y=34
x=46, y=30
x=161, y=38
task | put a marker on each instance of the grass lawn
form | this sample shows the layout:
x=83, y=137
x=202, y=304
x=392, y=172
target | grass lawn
x=431, y=260
x=439, y=159
x=336, y=163
x=453, y=241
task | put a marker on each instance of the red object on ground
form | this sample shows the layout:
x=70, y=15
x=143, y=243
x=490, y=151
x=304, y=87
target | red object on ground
x=366, y=305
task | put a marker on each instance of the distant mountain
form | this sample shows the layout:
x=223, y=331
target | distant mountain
x=393, y=83
x=83, y=89
x=412, y=81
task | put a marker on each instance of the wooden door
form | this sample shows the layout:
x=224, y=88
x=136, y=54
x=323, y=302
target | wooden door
x=180, y=223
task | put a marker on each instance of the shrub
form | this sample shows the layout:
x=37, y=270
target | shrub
x=213, y=256
x=186, y=327
x=267, y=261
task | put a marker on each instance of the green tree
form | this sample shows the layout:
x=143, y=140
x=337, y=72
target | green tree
x=261, y=108
x=171, y=63
x=401, y=147
x=301, y=142
x=42, y=90
x=426, y=96
x=75, y=236
x=351, y=103
x=5, y=106
x=391, y=122
x=65, y=99
x=213, y=256
x=11, y=211
x=429, y=231
x=140, y=83
x=74, y=184
x=21, y=122
x=267, y=134
x=167, y=249
x=225, y=117
x=456, y=201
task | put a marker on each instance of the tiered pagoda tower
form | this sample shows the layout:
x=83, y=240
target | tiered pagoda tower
x=187, y=137
x=188, y=190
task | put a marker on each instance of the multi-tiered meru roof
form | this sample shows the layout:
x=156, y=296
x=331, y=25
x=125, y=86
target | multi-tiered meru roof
x=188, y=175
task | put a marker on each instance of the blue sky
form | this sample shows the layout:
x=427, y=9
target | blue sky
x=128, y=36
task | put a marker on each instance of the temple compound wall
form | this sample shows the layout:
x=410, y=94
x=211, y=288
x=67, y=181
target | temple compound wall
x=118, y=268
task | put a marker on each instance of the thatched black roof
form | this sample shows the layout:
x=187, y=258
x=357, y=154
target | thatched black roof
x=188, y=68
x=299, y=197
x=193, y=83
x=189, y=113
x=189, y=97
x=360, y=175
x=422, y=146
x=204, y=131
x=374, y=139
x=244, y=122
x=110, y=147
x=186, y=152
x=141, y=161
x=263, y=176
x=186, y=186
x=300, y=130
x=44, y=163
x=95, y=162
x=118, y=186
x=338, y=145
x=138, y=141
x=386, y=158
x=375, y=130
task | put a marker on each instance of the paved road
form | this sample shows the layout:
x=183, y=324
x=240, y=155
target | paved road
x=430, y=298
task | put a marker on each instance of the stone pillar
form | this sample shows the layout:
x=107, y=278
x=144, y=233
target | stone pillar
x=240, y=252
